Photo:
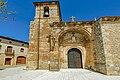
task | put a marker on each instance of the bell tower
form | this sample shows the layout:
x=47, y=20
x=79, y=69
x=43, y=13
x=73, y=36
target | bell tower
x=48, y=10
x=39, y=48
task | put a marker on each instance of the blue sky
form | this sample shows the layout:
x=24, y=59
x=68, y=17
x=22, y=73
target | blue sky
x=81, y=9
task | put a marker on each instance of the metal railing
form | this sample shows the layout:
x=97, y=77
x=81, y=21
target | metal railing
x=9, y=52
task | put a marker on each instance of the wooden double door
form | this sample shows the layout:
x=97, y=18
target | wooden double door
x=21, y=60
x=74, y=58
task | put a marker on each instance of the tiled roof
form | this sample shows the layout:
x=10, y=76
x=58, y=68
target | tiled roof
x=8, y=38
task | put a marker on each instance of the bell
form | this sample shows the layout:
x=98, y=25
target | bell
x=46, y=13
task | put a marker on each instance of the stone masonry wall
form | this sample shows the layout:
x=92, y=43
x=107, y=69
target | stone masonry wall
x=1, y=59
x=100, y=63
x=107, y=45
x=39, y=34
x=111, y=41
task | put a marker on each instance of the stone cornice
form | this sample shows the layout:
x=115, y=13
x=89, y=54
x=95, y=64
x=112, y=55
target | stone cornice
x=71, y=24
x=110, y=19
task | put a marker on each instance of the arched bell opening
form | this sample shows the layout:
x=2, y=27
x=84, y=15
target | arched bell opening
x=46, y=11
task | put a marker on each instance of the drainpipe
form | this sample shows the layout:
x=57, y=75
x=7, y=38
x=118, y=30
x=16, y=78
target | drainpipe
x=38, y=37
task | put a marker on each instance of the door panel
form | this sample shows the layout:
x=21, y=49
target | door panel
x=74, y=58
x=21, y=60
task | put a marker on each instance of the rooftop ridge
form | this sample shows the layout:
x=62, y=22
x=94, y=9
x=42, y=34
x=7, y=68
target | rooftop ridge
x=8, y=38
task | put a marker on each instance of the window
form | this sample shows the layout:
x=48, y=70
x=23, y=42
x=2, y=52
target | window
x=46, y=11
x=21, y=50
x=0, y=47
x=8, y=61
x=10, y=42
x=9, y=48
x=22, y=44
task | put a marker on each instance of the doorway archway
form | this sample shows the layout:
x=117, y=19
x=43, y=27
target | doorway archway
x=74, y=58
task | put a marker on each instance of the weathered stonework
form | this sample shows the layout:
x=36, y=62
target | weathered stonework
x=51, y=40
x=107, y=38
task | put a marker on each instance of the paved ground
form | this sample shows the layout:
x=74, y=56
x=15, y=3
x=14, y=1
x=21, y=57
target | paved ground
x=9, y=66
x=18, y=73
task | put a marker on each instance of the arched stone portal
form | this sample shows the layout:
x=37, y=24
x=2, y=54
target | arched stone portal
x=75, y=41
x=74, y=58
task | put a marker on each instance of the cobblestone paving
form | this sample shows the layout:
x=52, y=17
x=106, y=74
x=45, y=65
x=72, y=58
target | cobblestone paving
x=18, y=73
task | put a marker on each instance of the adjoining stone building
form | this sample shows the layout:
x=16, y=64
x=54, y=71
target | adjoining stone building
x=56, y=45
x=12, y=51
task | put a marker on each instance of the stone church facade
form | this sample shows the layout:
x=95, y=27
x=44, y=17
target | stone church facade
x=56, y=45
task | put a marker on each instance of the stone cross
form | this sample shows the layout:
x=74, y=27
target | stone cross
x=73, y=18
